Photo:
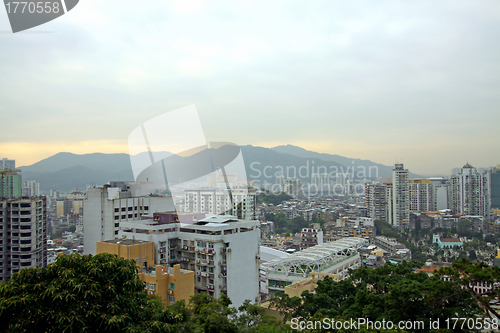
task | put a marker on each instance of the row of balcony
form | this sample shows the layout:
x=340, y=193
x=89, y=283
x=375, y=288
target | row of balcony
x=208, y=286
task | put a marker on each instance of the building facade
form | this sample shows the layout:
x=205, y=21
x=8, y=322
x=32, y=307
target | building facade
x=105, y=207
x=6, y=164
x=495, y=187
x=30, y=188
x=171, y=284
x=217, y=201
x=23, y=234
x=470, y=192
x=376, y=201
x=292, y=187
x=421, y=195
x=222, y=250
x=400, y=196
x=310, y=237
x=10, y=184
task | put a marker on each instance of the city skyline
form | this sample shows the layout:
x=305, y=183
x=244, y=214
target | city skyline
x=412, y=82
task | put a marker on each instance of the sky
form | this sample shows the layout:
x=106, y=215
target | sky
x=410, y=81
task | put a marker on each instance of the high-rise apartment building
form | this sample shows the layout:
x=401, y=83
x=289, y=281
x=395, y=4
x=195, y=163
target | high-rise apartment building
x=10, y=183
x=320, y=179
x=376, y=201
x=213, y=201
x=440, y=188
x=469, y=192
x=293, y=187
x=280, y=182
x=23, y=234
x=222, y=250
x=6, y=164
x=495, y=187
x=421, y=195
x=30, y=188
x=105, y=207
x=400, y=196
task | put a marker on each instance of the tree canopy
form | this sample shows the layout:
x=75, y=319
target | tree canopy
x=103, y=293
x=390, y=292
x=99, y=293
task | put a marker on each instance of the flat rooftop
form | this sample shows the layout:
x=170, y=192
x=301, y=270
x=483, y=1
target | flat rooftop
x=125, y=241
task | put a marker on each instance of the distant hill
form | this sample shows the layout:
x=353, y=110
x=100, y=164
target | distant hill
x=67, y=171
x=96, y=161
x=384, y=171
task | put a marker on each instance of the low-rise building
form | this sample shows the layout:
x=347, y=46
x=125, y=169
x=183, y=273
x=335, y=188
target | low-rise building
x=388, y=244
x=171, y=284
x=447, y=242
x=310, y=237
x=222, y=250
x=334, y=258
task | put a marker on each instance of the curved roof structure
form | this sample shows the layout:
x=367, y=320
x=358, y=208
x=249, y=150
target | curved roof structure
x=316, y=258
x=268, y=254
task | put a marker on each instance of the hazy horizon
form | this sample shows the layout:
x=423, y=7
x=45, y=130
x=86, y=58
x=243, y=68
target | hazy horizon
x=385, y=81
x=18, y=165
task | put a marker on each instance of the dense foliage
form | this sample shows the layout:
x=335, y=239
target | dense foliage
x=468, y=274
x=102, y=293
x=79, y=294
x=274, y=199
x=390, y=292
x=205, y=314
x=284, y=225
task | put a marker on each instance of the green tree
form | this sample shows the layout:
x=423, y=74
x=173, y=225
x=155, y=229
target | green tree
x=252, y=319
x=274, y=199
x=99, y=293
x=390, y=292
x=468, y=274
x=204, y=314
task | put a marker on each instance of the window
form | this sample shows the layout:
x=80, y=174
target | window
x=171, y=285
x=171, y=299
x=152, y=286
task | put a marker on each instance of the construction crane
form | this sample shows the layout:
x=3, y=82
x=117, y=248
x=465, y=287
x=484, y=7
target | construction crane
x=10, y=172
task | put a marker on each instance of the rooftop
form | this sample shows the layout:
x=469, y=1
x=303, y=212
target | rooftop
x=317, y=258
x=125, y=241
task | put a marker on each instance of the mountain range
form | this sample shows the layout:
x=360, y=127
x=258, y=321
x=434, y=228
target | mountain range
x=66, y=171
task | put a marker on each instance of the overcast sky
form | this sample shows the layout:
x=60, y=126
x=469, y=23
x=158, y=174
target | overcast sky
x=417, y=81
